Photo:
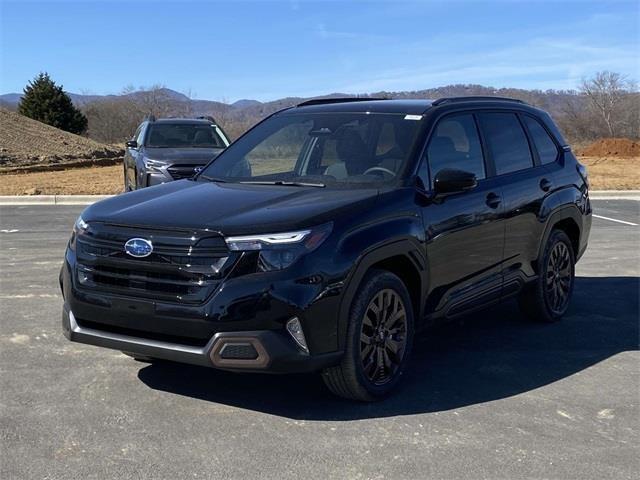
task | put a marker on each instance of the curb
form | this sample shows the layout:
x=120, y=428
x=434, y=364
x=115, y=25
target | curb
x=89, y=199
x=51, y=199
x=614, y=195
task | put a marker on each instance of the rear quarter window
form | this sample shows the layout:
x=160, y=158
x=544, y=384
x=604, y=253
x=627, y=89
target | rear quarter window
x=546, y=147
x=506, y=141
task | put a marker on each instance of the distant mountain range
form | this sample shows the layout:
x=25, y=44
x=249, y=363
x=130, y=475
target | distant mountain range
x=237, y=117
x=550, y=99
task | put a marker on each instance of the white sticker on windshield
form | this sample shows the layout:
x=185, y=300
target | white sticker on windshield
x=413, y=117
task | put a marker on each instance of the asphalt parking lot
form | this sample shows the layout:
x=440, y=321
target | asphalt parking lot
x=489, y=397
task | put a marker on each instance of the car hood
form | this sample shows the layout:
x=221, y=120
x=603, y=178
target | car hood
x=182, y=155
x=229, y=208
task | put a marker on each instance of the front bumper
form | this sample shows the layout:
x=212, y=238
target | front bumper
x=261, y=350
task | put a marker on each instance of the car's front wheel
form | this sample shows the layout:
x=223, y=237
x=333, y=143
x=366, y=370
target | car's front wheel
x=379, y=340
x=547, y=299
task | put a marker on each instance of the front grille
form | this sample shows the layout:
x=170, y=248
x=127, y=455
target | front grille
x=184, y=267
x=178, y=172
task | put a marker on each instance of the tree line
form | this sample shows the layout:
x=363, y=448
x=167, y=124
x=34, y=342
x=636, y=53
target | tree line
x=606, y=104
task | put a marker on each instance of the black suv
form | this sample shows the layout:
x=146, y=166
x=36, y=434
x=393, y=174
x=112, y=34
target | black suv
x=329, y=233
x=170, y=149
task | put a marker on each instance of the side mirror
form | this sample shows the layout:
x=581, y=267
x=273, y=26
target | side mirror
x=450, y=180
x=132, y=144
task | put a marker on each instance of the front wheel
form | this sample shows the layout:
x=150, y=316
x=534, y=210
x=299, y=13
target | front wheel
x=379, y=340
x=547, y=299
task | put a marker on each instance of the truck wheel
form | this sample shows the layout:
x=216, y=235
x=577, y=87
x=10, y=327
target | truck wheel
x=379, y=340
x=547, y=299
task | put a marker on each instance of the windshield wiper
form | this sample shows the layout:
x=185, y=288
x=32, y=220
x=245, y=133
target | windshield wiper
x=285, y=183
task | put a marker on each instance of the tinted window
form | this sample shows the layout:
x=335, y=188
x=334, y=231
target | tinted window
x=455, y=144
x=507, y=142
x=547, y=150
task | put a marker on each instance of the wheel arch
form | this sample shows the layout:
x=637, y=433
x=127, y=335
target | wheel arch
x=402, y=258
x=567, y=219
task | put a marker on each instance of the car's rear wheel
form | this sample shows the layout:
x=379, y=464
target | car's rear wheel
x=548, y=298
x=379, y=340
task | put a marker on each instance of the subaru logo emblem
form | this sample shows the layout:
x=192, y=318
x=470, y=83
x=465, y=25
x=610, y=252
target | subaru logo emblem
x=138, y=247
x=198, y=169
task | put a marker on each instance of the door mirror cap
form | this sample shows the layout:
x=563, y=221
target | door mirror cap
x=132, y=144
x=451, y=180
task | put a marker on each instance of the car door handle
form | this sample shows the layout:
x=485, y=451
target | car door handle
x=493, y=200
x=545, y=185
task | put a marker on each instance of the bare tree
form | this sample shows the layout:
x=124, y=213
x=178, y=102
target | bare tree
x=114, y=119
x=606, y=92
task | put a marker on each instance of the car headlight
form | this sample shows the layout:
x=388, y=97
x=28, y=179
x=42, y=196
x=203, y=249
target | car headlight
x=280, y=250
x=154, y=165
x=78, y=228
x=80, y=225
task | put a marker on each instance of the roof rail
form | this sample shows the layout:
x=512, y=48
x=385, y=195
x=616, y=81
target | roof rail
x=321, y=101
x=475, y=98
x=150, y=118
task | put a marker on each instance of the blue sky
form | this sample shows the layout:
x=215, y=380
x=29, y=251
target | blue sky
x=270, y=49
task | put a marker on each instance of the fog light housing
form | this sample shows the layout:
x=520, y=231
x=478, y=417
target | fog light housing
x=295, y=330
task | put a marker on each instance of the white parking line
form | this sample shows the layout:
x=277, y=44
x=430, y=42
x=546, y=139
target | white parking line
x=614, y=220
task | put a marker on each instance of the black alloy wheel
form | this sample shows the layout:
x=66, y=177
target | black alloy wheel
x=558, y=278
x=383, y=338
x=547, y=298
x=378, y=340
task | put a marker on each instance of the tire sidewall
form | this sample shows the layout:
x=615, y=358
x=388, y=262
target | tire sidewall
x=373, y=283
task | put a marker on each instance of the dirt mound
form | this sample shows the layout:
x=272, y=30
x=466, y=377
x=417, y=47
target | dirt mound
x=25, y=142
x=612, y=147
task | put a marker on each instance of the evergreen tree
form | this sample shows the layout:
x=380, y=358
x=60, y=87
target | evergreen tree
x=46, y=102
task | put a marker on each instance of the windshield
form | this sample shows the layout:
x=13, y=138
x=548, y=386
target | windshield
x=172, y=135
x=320, y=149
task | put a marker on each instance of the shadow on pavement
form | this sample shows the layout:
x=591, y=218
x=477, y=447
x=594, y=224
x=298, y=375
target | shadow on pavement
x=489, y=355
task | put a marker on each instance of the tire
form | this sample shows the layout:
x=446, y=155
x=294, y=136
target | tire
x=547, y=299
x=372, y=337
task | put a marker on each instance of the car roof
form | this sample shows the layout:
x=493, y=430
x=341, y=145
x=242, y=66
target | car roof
x=407, y=107
x=402, y=106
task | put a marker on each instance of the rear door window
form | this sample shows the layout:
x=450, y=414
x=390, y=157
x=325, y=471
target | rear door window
x=455, y=144
x=547, y=149
x=506, y=141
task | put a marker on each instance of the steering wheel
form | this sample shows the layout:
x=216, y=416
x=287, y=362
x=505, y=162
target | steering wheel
x=379, y=169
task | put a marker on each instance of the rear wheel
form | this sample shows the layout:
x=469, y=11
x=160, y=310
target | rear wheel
x=379, y=340
x=548, y=298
